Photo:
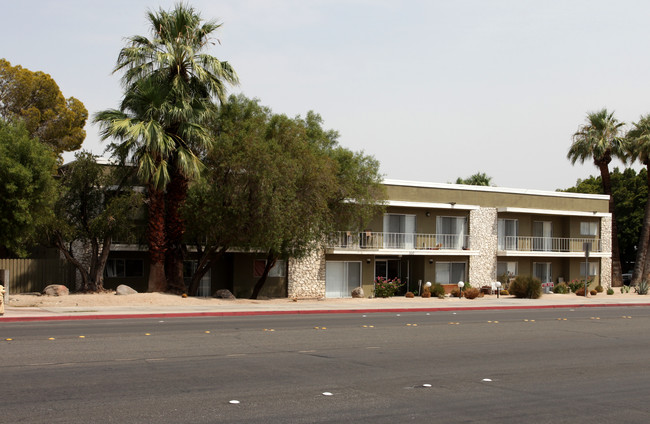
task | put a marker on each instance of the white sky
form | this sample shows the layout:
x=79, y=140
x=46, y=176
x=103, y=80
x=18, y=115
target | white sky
x=433, y=89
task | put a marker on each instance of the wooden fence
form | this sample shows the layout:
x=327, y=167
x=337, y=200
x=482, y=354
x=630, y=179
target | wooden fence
x=33, y=275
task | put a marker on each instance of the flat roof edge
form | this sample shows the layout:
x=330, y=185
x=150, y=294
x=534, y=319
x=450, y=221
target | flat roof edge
x=421, y=184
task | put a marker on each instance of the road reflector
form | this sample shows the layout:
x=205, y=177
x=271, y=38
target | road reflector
x=51, y=338
x=327, y=394
x=234, y=402
x=82, y=337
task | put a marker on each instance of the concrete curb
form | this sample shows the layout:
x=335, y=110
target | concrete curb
x=307, y=312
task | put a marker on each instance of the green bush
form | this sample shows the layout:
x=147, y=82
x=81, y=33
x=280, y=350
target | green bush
x=610, y=291
x=625, y=289
x=526, y=287
x=643, y=287
x=505, y=293
x=437, y=290
x=561, y=288
x=599, y=288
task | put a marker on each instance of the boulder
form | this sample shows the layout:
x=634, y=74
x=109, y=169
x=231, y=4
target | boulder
x=223, y=294
x=123, y=289
x=358, y=293
x=56, y=290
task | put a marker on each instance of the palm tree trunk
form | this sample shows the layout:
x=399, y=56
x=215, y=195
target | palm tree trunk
x=175, y=229
x=641, y=271
x=156, y=238
x=617, y=277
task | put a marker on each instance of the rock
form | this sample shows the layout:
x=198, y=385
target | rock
x=223, y=294
x=56, y=290
x=123, y=289
x=358, y=293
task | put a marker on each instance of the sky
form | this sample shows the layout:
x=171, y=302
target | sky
x=434, y=90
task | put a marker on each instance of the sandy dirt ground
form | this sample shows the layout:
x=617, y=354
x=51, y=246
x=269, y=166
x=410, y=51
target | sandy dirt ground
x=111, y=299
x=161, y=299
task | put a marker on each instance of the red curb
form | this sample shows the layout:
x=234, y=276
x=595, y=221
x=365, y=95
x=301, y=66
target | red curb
x=307, y=312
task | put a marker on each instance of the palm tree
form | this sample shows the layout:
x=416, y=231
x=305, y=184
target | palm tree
x=599, y=141
x=639, y=148
x=169, y=84
x=478, y=179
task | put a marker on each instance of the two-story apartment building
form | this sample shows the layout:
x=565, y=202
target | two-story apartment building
x=447, y=233
x=433, y=232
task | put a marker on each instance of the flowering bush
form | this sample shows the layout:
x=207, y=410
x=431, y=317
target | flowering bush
x=386, y=288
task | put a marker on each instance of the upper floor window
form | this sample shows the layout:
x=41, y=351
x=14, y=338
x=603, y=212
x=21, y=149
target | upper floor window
x=508, y=230
x=588, y=228
x=451, y=231
x=399, y=231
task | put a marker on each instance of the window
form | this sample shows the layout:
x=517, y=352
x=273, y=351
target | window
x=341, y=278
x=588, y=228
x=508, y=230
x=278, y=270
x=542, y=233
x=124, y=268
x=450, y=272
x=542, y=270
x=509, y=267
x=399, y=231
x=451, y=231
x=593, y=269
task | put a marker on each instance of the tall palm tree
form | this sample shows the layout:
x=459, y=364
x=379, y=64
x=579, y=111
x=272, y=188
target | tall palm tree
x=639, y=148
x=598, y=139
x=169, y=83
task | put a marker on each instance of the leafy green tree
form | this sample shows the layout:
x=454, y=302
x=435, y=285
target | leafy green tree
x=286, y=178
x=630, y=193
x=27, y=187
x=94, y=208
x=35, y=99
x=170, y=83
x=478, y=179
x=599, y=140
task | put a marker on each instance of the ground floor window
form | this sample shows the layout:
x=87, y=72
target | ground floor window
x=189, y=268
x=124, y=268
x=509, y=268
x=341, y=278
x=542, y=270
x=278, y=270
x=450, y=272
x=593, y=269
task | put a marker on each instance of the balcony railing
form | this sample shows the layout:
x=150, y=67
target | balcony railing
x=406, y=241
x=547, y=244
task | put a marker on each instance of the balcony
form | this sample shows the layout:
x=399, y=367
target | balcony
x=369, y=240
x=548, y=244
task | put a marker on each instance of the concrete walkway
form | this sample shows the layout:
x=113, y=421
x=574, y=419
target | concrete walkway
x=326, y=306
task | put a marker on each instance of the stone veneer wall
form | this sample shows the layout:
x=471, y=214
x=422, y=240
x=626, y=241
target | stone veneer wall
x=606, y=247
x=483, y=238
x=306, y=277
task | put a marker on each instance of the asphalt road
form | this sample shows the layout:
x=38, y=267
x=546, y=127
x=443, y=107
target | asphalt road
x=534, y=366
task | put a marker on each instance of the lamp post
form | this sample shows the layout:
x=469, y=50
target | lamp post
x=460, y=289
x=498, y=284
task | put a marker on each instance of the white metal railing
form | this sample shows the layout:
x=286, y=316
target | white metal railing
x=407, y=241
x=547, y=244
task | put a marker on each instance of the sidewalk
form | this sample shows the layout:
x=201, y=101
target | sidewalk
x=243, y=307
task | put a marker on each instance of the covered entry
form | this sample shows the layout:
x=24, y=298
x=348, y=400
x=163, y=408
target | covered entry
x=341, y=277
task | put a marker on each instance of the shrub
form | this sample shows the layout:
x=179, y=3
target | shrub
x=643, y=287
x=505, y=293
x=625, y=289
x=593, y=292
x=455, y=292
x=471, y=293
x=561, y=288
x=580, y=292
x=575, y=285
x=610, y=291
x=410, y=295
x=526, y=287
x=438, y=290
x=426, y=293
x=599, y=288
x=386, y=288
